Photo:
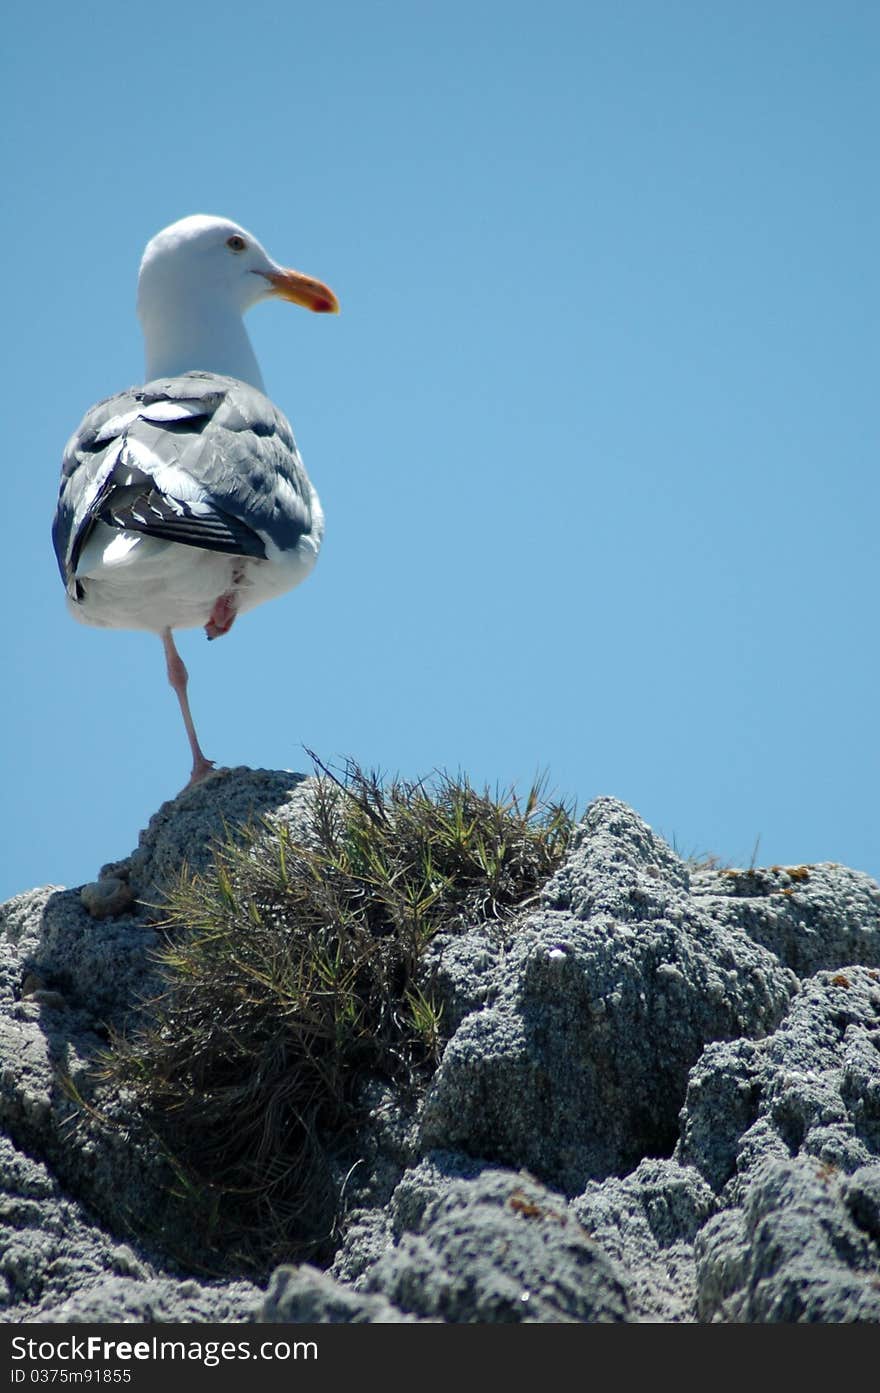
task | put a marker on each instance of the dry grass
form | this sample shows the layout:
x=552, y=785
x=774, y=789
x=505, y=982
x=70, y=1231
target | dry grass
x=293, y=970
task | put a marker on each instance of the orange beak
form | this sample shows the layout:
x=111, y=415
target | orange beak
x=302, y=290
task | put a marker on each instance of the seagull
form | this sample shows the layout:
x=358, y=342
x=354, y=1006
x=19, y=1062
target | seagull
x=184, y=502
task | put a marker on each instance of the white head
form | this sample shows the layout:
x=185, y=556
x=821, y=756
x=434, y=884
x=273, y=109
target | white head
x=197, y=279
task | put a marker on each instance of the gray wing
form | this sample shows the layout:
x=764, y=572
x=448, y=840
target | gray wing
x=203, y=460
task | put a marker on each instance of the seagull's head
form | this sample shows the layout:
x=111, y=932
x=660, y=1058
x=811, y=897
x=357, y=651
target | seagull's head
x=202, y=259
x=197, y=278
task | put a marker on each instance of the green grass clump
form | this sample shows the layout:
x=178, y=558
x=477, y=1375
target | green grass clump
x=293, y=969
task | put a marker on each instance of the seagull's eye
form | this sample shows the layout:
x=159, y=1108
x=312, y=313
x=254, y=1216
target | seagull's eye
x=236, y=243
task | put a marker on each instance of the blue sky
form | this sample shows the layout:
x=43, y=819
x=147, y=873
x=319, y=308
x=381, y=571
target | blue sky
x=592, y=432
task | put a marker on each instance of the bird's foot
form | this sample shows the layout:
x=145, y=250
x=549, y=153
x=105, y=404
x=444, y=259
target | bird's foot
x=201, y=769
x=222, y=615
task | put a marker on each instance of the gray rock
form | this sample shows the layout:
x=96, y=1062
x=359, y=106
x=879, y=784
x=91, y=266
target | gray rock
x=188, y=828
x=659, y=1100
x=56, y=1264
x=576, y=1066
x=306, y=1296
x=67, y=978
x=811, y=917
x=106, y=898
x=157, y=1300
x=787, y=1130
x=792, y=1253
x=103, y=965
x=861, y=1195
x=49, y=1054
x=647, y=1223
x=491, y=1247
x=811, y=1088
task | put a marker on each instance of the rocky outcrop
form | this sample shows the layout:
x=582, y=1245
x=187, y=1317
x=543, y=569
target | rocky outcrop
x=658, y=1099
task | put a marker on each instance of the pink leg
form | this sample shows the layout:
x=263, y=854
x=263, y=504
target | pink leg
x=178, y=677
